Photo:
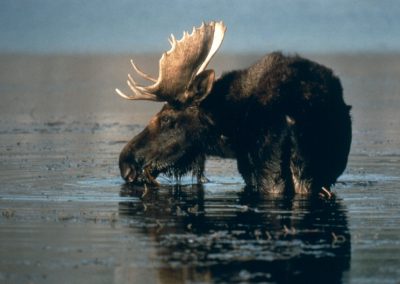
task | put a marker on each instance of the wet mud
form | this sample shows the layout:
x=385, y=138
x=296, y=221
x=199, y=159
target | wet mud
x=67, y=217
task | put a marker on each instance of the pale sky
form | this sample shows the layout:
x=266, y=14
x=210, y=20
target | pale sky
x=54, y=26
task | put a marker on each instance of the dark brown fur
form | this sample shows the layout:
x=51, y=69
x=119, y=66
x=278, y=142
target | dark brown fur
x=283, y=118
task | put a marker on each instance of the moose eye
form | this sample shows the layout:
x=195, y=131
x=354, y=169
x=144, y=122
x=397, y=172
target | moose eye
x=165, y=120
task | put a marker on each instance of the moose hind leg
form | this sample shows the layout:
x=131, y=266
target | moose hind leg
x=302, y=183
x=266, y=168
x=309, y=163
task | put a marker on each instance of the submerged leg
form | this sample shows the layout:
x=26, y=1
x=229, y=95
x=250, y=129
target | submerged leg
x=266, y=166
x=199, y=171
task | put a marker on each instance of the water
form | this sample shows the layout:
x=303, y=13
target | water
x=67, y=217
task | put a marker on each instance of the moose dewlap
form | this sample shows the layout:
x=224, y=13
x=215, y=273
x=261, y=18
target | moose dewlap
x=283, y=119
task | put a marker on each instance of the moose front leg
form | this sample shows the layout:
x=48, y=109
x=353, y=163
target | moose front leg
x=199, y=170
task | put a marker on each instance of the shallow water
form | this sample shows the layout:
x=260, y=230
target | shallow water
x=67, y=217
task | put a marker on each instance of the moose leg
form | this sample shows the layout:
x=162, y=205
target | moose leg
x=302, y=182
x=271, y=180
x=320, y=146
x=310, y=165
x=267, y=176
x=246, y=169
x=199, y=170
x=303, y=145
x=266, y=166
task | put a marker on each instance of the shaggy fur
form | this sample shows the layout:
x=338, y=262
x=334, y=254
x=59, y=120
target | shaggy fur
x=283, y=118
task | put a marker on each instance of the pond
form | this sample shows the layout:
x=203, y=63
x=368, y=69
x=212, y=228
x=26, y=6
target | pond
x=67, y=216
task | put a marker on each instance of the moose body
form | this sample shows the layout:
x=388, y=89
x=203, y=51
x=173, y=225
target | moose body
x=284, y=120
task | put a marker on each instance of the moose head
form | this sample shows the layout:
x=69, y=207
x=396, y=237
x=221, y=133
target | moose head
x=176, y=138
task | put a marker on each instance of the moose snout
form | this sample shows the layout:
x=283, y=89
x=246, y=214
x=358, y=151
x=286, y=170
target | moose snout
x=132, y=172
x=128, y=172
x=128, y=166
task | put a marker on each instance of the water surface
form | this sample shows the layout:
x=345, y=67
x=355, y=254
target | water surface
x=66, y=216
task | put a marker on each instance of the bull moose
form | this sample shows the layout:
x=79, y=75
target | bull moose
x=284, y=119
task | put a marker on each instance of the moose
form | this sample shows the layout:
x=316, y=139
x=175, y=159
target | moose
x=283, y=119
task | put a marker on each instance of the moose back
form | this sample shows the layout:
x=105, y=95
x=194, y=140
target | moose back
x=284, y=119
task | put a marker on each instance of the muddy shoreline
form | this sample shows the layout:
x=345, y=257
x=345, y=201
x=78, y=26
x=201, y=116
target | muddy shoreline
x=66, y=216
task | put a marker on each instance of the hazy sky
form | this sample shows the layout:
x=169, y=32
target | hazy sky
x=42, y=26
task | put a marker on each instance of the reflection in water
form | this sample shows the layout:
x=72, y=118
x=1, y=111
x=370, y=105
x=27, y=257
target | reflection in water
x=241, y=236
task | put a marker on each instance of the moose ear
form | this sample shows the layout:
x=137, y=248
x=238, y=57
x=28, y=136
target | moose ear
x=201, y=85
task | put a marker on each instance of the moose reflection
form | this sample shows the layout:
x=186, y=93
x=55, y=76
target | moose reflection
x=235, y=236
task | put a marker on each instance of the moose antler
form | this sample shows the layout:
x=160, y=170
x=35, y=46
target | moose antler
x=187, y=58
